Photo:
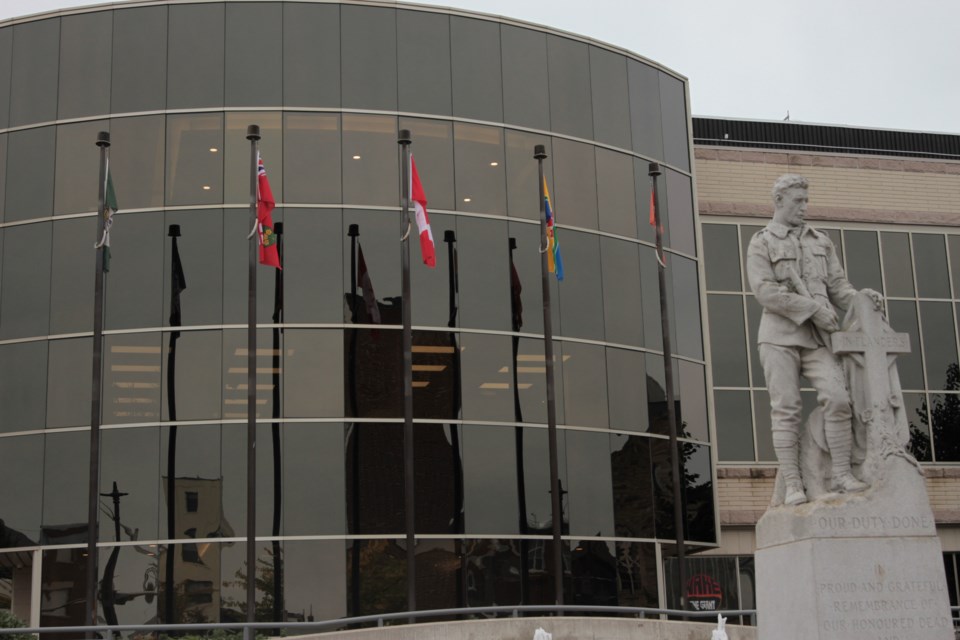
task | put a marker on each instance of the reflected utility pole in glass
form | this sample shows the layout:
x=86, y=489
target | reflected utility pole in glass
x=354, y=233
x=108, y=592
x=278, y=604
x=178, y=283
x=540, y=153
x=516, y=322
x=253, y=135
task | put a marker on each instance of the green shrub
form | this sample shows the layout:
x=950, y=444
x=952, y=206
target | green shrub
x=10, y=621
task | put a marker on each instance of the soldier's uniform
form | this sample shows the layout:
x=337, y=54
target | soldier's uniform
x=793, y=272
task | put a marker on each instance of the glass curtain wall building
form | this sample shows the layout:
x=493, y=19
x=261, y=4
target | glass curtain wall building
x=330, y=84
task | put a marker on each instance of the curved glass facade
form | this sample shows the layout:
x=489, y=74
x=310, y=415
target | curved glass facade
x=330, y=85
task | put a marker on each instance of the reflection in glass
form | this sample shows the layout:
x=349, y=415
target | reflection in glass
x=313, y=265
x=692, y=395
x=23, y=389
x=433, y=148
x=63, y=581
x=378, y=582
x=314, y=580
x=492, y=469
x=77, y=167
x=945, y=415
x=236, y=154
x=480, y=178
x=593, y=573
x=637, y=574
x=371, y=167
x=622, y=313
x=722, y=258
x=30, y=180
x=615, y=193
x=66, y=457
x=627, y=389
x=712, y=583
x=137, y=476
x=133, y=295
x=131, y=378
x=930, y=255
x=590, y=495
x=734, y=426
x=21, y=466
x=476, y=78
x=368, y=42
x=939, y=337
x=680, y=213
x=728, y=340
x=137, y=164
x=632, y=480
x=897, y=267
x=863, y=259
x=915, y=409
x=311, y=148
x=72, y=276
x=574, y=192
x=194, y=157
x=494, y=572
x=85, y=55
x=685, y=307
x=585, y=382
x=581, y=296
x=763, y=428
x=483, y=290
x=523, y=195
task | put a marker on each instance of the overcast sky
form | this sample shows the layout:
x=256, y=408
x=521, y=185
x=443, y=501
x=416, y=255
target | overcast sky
x=871, y=63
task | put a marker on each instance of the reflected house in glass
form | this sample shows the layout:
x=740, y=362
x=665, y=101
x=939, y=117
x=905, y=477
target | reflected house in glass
x=330, y=84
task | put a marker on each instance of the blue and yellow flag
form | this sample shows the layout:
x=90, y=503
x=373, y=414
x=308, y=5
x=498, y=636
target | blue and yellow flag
x=554, y=262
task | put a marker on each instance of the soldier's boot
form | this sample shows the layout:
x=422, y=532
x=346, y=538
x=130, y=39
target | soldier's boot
x=786, y=447
x=840, y=440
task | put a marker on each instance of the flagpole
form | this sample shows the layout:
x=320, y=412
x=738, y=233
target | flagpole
x=93, y=495
x=253, y=135
x=539, y=152
x=404, y=141
x=654, y=171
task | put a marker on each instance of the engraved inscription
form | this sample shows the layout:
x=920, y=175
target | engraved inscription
x=893, y=609
x=873, y=523
x=850, y=342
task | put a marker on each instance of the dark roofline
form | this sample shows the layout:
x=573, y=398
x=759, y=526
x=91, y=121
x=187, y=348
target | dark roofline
x=795, y=136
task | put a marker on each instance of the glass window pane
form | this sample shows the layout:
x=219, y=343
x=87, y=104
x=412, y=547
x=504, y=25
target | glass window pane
x=570, y=97
x=674, y=113
x=374, y=481
x=23, y=386
x=722, y=257
x=234, y=374
x=423, y=62
x=952, y=241
x=863, y=259
x=536, y=479
x=585, y=382
x=526, y=260
x=193, y=452
x=313, y=249
x=66, y=457
x=523, y=193
x=25, y=306
x=581, y=295
x=378, y=241
x=311, y=149
x=487, y=390
x=574, y=191
x=192, y=361
x=680, y=213
x=381, y=571
x=944, y=411
x=646, y=127
x=310, y=387
x=494, y=562
x=531, y=382
x=481, y=185
x=314, y=493
x=525, y=91
x=940, y=342
x=611, y=104
x=903, y=318
x=685, y=308
x=754, y=311
x=438, y=478
x=373, y=377
x=734, y=426
x=369, y=57
x=138, y=476
x=137, y=161
x=194, y=169
x=622, y=311
x=195, y=61
x=484, y=274
x=311, y=55
x=136, y=277
x=78, y=167
x=590, y=496
x=897, y=264
x=6, y=57
x=915, y=408
x=477, y=82
x=30, y=179
x=692, y=395
x=233, y=448
x=73, y=276
x=139, y=60
x=728, y=341
x=85, y=54
x=236, y=184
x=33, y=83
x=253, y=70
x=490, y=470
x=835, y=238
x=371, y=163
x=698, y=493
x=21, y=466
x=763, y=431
x=200, y=247
x=433, y=149
x=933, y=279
x=131, y=378
x=69, y=382
x=3, y=173
x=632, y=486
x=436, y=377
x=627, y=390
x=615, y=193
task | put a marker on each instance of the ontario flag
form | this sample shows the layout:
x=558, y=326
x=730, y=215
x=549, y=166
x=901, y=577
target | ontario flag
x=266, y=237
x=423, y=222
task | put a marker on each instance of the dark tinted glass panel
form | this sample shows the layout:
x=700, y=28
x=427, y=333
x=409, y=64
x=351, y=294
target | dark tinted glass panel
x=193, y=455
x=903, y=318
x=194, y=158
x=436, y=377
x=762, y=432
x=33, y=83
x=72, y=276
x=835, y=238
x=139, y=59
x=137, y=161
x=78, y=167
x=945, y=415
x=138, y=475
x=136, y=275
x=719, y=573
x=491, y=563
x=438, y=478
x=368, y=45
x=379, y=567
x=191, y=366
x=637, y=574
x=423, y=62
x=25, y=302
x=200, y=248
x=23, y=388
x=622, y=306
x=692, y=392
x=734, y=426
x=525, y=92
x=627, y=390
x=722, y=257
x=234, y=376
x=754, y=312
x=131, y=566
x=523, y=193
x=236, y=227
x=236, y=170
x=570, y=96
x=896, y=264
x=698, y=493
x=632, y=486
x=481, y=185
x=484, y=274
x=593, y=573
x=686, y=307
x=69, y=382
x=649, y=285
x=746, y=235
x=85, y=54
x=311, y=387
x=531, y=382
x=433, y=150
x=21, y=466
x=662, y=481
x=536, y=479
x=314, y=578
x=371, y=167
x=131, y=378
x=584, y=377
x=378, y=240
x=680, y=212
x=253, y=71
x=863, y=259
x=313, y=479
x=487, y=388
x=933, y=278
x=940, y=342
x=674, y=115
x=615, y=193
x=3, y=172
x=6, y=55
x=590, y=497
x=311, y=55
x=915, y=409
x=574, y=192
x=373, y=376
x=30, y=179
x=195, y=57
x=311, y=157
x=233, y=451
x=611, y=105
x=526, y=260
x=728, y=341
x=581, y=295
x=491, y=466
x=953, y=243
x=476, y=78
x=374, y=476
x=66, y=457
x=645, y=122
x=313, y=246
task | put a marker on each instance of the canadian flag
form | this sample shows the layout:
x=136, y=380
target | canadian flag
x=423, y=222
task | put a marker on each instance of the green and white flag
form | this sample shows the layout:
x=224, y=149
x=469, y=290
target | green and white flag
x=109, y=208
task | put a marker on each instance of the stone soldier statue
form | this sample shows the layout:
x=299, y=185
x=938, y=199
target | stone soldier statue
x=797, y=278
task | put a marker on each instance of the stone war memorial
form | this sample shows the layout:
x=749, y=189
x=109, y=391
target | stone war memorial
x=848, y=548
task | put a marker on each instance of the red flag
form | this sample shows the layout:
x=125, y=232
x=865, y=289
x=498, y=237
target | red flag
x=423, y=222
x=653, y=212
x=653, y=223
x=266, y=237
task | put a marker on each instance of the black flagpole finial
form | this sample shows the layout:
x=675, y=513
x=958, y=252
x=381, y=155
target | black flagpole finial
x=253, y=132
